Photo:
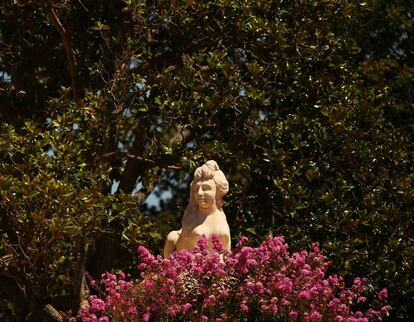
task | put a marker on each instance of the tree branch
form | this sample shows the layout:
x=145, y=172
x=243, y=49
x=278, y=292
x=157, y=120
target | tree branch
x=80, y=288
x=70, y=55
x=153, y=162
x=52, y=314
x=134, y=166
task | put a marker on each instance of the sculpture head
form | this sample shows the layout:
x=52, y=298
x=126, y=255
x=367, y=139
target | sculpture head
x=209, y=186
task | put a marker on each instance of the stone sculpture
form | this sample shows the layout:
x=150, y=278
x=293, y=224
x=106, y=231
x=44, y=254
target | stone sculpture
x=204, y=214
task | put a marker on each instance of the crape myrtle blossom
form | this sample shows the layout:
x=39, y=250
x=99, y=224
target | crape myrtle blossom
x=263, y=283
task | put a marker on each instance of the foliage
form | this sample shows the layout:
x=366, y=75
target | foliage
x=254, y=284
x=306, y=106
x=54, y=206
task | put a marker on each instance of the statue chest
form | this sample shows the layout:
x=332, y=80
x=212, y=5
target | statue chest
x=190, y=235
x=196, y=232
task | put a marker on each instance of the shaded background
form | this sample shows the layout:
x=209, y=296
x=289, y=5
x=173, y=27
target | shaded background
x=107, y=107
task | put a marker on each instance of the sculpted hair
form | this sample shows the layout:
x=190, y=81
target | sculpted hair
x=211, y=170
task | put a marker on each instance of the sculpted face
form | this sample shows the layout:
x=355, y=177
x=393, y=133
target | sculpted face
x=204, y=192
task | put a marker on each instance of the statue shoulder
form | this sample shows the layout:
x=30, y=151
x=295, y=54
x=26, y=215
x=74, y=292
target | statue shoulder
x=218, y=225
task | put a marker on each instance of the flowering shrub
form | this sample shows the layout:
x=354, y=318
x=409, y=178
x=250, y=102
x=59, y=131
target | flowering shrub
x=210, y=284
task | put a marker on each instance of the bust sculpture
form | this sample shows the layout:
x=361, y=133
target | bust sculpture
x=204, y=214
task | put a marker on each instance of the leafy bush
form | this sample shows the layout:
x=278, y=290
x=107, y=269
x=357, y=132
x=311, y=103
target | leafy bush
x=53, y=207
x=261, y=284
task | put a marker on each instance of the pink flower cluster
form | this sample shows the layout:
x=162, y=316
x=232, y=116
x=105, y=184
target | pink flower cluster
x=211, y=284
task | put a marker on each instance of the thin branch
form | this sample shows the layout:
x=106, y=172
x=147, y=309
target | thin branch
x=139, y=158
x=52, y=313
x=142, y=195
x=70, y=55
x=80, y=288
x=5, y=259
x=84, y=7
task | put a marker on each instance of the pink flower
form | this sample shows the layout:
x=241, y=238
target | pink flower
x=203, y=243
x=244, y=308
x=209, y=301
x=383, y=294
x=259, y=288
x=315, y=316
x=284, y=286
x=243, y=240
x=142, y=266
x=217, y=244
x=285, y=302
x=145, y=255
x=97, y=305
x=132, y=310
x=148, y=283
x=223, y=293
x=385, y=309
x=304, y=295
x=186, y=307
x=293, y=314
x=361, y=299
x=146, y=317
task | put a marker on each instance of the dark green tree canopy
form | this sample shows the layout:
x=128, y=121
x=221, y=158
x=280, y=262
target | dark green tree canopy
x=306, y=106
